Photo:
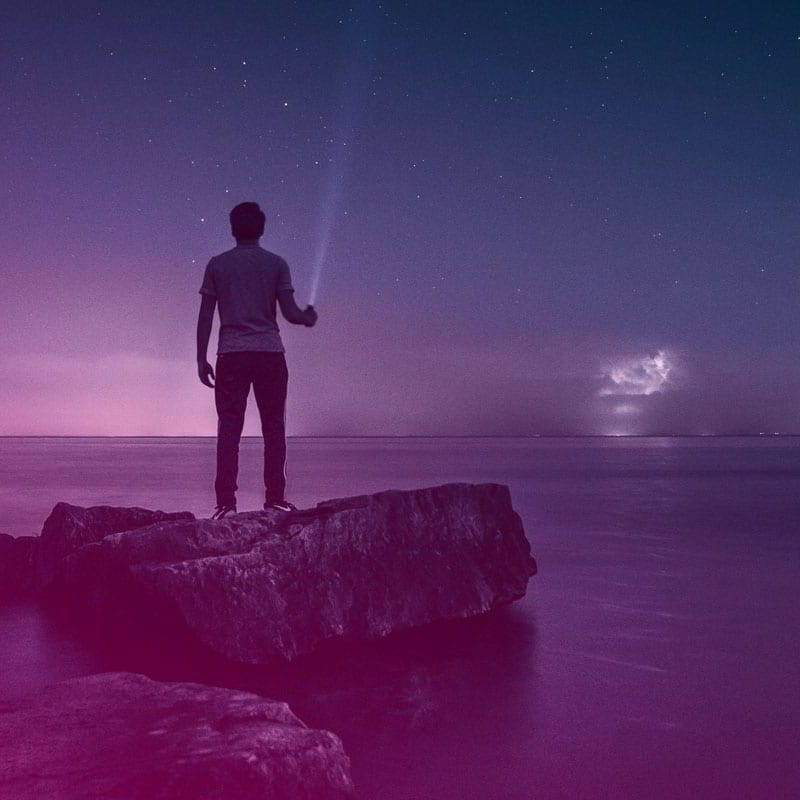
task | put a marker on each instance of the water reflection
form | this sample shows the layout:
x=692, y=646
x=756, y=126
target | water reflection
x=38, y=650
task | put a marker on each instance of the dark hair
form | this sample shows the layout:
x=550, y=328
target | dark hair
x=247, y=221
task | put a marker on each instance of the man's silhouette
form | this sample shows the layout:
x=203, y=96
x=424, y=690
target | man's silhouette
x=245, y=283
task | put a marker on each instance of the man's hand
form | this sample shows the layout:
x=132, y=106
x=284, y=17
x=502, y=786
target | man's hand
x=311, y=316
x=204, y=370
x=204, y=321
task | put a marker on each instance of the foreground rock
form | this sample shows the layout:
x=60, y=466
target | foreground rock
x=120, y=735
x=267, y=585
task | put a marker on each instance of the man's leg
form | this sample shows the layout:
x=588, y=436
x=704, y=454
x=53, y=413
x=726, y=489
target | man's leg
x=230, y=395
x=270, y=379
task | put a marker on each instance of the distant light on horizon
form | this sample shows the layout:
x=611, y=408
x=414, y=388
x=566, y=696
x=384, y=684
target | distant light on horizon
x=644, y=375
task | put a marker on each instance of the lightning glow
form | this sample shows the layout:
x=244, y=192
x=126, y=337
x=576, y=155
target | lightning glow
x=637, y=376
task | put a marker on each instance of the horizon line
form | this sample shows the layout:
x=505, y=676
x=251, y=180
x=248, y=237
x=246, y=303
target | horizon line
x=419, y=436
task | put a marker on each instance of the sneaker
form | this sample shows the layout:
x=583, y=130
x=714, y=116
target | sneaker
x=280, y=505
x=223, y=511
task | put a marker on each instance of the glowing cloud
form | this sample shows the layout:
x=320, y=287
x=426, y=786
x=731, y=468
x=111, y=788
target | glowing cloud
x=637, y=376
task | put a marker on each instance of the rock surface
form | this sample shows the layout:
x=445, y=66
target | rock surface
x=70, y=527
x=18, y=559
x=122, y=736
x=262, y=586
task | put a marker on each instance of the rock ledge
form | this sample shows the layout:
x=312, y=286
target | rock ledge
x=262, y=586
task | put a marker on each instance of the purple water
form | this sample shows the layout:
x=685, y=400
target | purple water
x=655, y=655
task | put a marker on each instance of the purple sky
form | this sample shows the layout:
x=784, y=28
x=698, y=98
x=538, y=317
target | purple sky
x=543, y=218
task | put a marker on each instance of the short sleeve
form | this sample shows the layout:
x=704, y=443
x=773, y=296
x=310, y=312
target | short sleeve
x=209, y=286
x=284, y=278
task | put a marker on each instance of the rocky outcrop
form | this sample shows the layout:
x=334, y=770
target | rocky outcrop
x=18, y=559
x=122, y=736
x=70, y=527
x=267, y=585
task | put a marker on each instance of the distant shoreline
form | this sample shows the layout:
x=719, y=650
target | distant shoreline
x=432, y=436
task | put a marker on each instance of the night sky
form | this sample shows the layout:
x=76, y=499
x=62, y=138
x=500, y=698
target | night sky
x=531, y=218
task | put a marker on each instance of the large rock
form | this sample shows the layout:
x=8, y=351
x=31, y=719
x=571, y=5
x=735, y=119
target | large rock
x=267, y=585
x=120, y=736
x=18, y=559
x=70, y=527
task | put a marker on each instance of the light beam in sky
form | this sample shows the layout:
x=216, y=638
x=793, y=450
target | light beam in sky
x=330, y=203
x=360, y=43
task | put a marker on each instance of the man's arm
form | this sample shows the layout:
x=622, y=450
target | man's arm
x=297, y=316
x=205, y=319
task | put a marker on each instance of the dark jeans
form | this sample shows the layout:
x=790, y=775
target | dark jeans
x=268, y=374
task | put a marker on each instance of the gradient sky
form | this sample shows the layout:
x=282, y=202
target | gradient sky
x=533, y=218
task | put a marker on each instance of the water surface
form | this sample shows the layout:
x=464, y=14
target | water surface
x=653, y=657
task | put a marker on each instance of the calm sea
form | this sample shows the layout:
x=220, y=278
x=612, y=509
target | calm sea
x=655, y=655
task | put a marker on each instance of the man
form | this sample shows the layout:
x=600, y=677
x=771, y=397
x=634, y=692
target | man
x=245, y=283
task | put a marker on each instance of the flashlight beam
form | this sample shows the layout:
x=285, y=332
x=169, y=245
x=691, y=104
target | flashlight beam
x=362, y=24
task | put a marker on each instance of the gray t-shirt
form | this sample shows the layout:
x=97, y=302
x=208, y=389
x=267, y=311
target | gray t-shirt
x=245, y=282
